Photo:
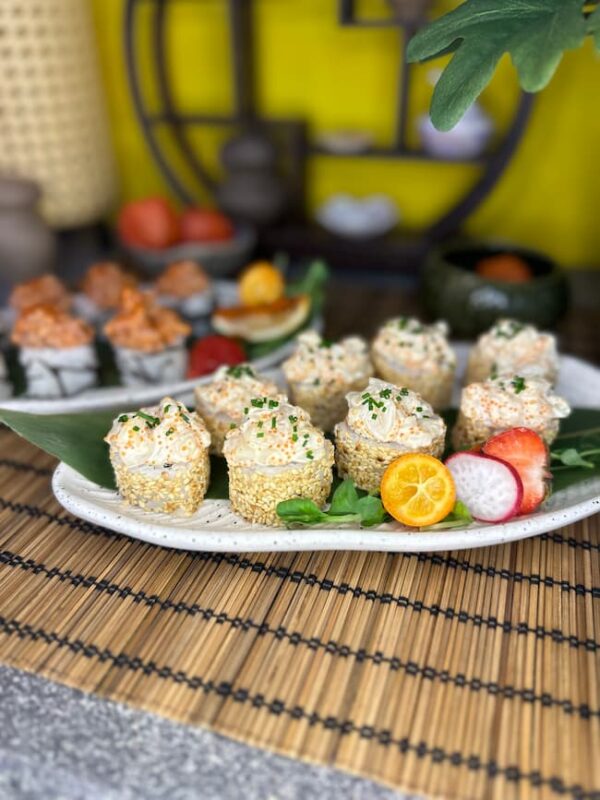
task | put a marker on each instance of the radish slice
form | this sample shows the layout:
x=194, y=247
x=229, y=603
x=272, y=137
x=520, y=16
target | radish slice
x=490, y=488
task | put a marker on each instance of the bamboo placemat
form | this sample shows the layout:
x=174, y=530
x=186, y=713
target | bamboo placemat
x=470, y=674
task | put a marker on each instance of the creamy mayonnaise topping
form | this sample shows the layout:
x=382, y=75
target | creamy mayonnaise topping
x=231, y=390
x=515, y=348
x=153, y=437
x=412, y=345
x=318, y=362
x=511, y=401
x=275, y=434
x=395, y=414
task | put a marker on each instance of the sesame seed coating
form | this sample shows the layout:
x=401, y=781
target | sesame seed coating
x=365, y=460
x=255, y=493
x=178, y=490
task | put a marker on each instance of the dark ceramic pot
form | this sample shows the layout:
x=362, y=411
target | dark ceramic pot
x=453, y=291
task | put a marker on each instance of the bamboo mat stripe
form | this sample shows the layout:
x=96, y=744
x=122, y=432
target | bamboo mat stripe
x=278, y=707
x=418, y=606
x=295, y=637
x=458, y=675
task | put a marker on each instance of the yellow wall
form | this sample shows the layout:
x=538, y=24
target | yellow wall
x=343, y=77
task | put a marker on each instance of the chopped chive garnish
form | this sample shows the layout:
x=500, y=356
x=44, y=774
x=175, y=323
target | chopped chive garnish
x=240, y=370
x=166, y=408
x=123, y=418
x=309, y=454
x=170, y=432
x=294, y=437
x=151, y=421
x=273, y=423
x=260, y=435
x=136, y=428
x=518, y=384
x=273, y=403
x=293, y=419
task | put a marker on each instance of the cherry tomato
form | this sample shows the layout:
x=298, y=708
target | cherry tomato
x=205, y=225
x=151, y=223
x=211, y=352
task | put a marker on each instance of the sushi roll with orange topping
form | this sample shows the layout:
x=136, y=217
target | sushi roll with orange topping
x=46, y=290
x=56, y=351
x=148, y=340
x=384, y=422
x=160, y=458
x=185, y=287
x=321, y=373
x=224, y=401
x=276, y=454
x=408, y=353
x=102, y=287
x=511, y=347
x=507, y=401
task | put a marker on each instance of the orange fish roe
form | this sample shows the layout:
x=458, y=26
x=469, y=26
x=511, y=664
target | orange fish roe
x=182, y=279
x=104, y=283
x=141, y=324
x=48, y=326
x=45, y=290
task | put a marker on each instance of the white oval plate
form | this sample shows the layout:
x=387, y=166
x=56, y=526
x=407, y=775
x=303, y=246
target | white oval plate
x=215, y=527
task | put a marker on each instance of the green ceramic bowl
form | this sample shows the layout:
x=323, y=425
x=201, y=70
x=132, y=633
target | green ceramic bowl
x=453, y=291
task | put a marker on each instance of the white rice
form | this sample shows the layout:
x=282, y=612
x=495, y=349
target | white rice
x=59, y=371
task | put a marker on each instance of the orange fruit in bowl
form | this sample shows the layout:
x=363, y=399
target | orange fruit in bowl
x=261, y=283
x=418, y=490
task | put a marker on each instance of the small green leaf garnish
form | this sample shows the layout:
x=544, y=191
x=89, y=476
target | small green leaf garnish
x=239, y=370
x=571, y=457
x=347, y=505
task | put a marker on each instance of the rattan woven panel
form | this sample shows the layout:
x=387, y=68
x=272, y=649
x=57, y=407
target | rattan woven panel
x=470, y=674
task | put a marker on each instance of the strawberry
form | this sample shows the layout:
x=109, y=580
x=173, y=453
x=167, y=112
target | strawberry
x=526, y=451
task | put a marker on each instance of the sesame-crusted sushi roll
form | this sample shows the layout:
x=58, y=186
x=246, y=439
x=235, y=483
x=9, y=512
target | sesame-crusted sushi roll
x=5, y=385
x=160, y=458
x=276, y=454
x=149, y=341
x=185, y=287
x=56, y=351
x=384, y=421
x=224, y=401
x=408, y=353
x=102, y=287
x=504, y=402
x=513, y=348
x=320, y=374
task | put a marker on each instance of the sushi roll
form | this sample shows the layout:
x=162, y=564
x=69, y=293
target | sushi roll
x=160, y=458
x=46, y=290
x=320, y=374
x=5, y=385
x=56, y=351
x=101, y=290
x=383, y=422
x=513, y=348
x=274, y=455
x=503, y=402
x=185, y=287
x=408, y=353
x=223, y=402
x=149, y=341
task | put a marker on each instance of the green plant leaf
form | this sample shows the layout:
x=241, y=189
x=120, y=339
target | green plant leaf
x=344, y=499
x=301, y=511
x=459, y=517
x=76, y=439
x=535, y=33
x=371, y=511
x=593, y=26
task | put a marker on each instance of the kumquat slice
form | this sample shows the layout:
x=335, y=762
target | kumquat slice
x=418, y=490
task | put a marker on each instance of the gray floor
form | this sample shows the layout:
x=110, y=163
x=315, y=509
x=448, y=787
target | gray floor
x=57, y=742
